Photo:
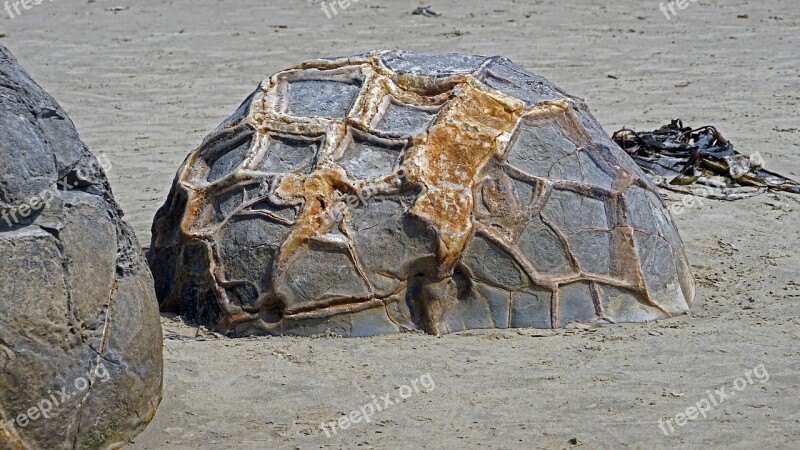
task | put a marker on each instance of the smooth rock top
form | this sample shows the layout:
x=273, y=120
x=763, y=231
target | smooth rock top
x=80, y=333
x=394, y=191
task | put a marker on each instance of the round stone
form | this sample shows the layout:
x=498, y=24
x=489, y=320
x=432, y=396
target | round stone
x=394, y=191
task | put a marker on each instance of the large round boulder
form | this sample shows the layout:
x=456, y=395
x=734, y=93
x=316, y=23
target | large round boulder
x=80, y=334
x=394, y=191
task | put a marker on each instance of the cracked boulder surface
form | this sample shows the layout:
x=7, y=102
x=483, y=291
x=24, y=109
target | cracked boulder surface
x=394, y=191
x=80, y=333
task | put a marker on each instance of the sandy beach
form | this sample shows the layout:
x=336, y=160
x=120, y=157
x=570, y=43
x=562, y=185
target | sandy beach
x=145, y=81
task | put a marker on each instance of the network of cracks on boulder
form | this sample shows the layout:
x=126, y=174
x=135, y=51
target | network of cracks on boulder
x=308, y=214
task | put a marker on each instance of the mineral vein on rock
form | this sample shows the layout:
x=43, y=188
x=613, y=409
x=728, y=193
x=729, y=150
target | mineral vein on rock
x=394, y=191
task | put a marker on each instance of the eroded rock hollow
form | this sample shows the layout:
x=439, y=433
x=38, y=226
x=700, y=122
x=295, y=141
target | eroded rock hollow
x=394, y=191
x=80, y=333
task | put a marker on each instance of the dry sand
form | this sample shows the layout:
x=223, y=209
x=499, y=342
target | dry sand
x=146, y=83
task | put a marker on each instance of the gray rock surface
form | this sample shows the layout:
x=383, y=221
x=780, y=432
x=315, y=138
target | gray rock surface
x=80, y=335
x=435, y=193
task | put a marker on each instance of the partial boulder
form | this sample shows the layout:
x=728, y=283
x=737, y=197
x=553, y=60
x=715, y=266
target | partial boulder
x=80, y=334
x=394, y=191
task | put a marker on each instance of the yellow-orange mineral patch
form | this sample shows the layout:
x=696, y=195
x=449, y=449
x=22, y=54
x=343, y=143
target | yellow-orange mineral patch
x=474, y=127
